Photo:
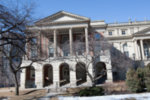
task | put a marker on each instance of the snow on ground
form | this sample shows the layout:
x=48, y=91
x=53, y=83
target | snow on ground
x=140, y=96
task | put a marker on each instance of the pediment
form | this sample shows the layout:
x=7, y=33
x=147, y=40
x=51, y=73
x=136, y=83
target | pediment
x=65, y=18
x=62, y=16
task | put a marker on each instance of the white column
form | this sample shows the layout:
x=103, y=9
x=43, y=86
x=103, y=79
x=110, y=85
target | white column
x=73, y=79
x=136, y=49
x=56, y=76
x=39, y=76
x=142, y=49
x=23, y=79
x=86, y=40
x=109, y=68
x=70, y=41
x=90, y=69
x=55, y=43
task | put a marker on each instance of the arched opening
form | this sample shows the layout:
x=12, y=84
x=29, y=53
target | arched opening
x=80, y=73
x=100, y=73
x=30, y=77
x=64, y=74
x=48, y=75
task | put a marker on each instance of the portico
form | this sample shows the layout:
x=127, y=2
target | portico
x=71, y=33
x=142, y=48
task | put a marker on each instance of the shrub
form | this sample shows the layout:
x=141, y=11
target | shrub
x=138, y=80
x=147, y=77
x=133, y=82
x=92, y=91
x=141, y=76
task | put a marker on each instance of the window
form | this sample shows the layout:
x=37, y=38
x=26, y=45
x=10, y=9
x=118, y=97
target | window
x=125, y=49
x=97, y=36
x=126, y=53
x=146, y=50
x=65, y=39
x=34, y=41
x=51, y=52
x=123, y=32
x=78, y=38
x=51, y=39
x=66, y=53
x=110, y=33
x=33, y=52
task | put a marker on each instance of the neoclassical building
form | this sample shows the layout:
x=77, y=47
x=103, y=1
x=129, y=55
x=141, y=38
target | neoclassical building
x=129, y=38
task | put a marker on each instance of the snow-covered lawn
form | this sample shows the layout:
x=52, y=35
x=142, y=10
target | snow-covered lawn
x=140, y=96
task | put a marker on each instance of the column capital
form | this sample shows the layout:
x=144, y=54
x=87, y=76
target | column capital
x=54, y=29
x=70, y=28
x=86, y=27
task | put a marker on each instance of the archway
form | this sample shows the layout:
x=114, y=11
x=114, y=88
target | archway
x=30, y=77
x=80, y=73
x=48, y=75
x=64, y=74
x=100, y=73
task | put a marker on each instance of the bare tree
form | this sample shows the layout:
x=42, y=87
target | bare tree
x=98, y=46
x=14, y=37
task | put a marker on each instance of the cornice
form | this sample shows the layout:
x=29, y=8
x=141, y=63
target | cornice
x=128, y=24
x=127, y=37
x=60, y=23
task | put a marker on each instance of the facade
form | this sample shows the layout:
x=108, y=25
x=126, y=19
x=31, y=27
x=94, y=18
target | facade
x=129, y=38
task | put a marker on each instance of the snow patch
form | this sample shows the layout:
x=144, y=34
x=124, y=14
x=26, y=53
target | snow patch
x=140, y=96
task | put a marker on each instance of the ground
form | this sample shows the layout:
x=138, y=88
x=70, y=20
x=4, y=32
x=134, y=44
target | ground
x=34, y=94
x=29, y=94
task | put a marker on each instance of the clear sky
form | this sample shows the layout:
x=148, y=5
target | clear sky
x=108, y=10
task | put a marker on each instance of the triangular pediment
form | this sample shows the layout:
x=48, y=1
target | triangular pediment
x=65, y=18
x=62, y=16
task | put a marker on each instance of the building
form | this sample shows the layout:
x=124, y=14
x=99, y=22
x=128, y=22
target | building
x=130, y=39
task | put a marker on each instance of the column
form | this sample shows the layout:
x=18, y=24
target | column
x=73, y=79
x=70, y=41
x=142, y=49
x=86, y=40
x=23, y=79
x=135, y=50
x=38, y=75
x=56, y=75
x=55, y=43
x=109, y=69
x=88, y=79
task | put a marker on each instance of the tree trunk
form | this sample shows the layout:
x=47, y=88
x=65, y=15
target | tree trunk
x=92, y=79
x=16, y=84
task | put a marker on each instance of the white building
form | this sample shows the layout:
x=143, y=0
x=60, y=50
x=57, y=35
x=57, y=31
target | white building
x=130, y=38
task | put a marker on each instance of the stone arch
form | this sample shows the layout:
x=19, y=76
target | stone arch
x=80, y=73
x=64, y=73
x=47, y=75
x=30, y=77
x=100, y=72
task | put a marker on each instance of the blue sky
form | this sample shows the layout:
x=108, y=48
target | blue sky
x=108, y=10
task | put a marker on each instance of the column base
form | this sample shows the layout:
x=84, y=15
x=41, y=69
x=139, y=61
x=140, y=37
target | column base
x=109, y=81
